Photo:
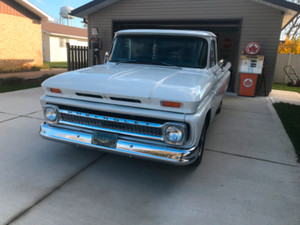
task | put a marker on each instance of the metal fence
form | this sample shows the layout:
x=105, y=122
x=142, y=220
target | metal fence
x=77, y=57
x=282, y=61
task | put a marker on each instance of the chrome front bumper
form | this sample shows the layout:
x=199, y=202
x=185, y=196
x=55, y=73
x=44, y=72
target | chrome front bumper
x=125, y=147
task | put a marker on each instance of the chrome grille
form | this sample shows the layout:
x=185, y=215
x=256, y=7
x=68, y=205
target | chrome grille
x=111, y=124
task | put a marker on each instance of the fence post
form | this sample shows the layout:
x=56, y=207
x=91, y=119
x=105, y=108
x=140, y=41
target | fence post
x=82, y=57
x=68, y=56
x=73, y=58
x=86, y=56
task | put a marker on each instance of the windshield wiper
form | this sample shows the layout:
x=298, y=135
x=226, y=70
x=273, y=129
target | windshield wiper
x=158, y=63
x=168, y=64
x=126, y=61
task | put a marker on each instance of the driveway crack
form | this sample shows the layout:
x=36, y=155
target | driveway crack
x=55, y=189
x=250, y=157
x=10, y=119
x=32, y=113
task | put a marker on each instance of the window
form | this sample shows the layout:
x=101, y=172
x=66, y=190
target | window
x=212, y=54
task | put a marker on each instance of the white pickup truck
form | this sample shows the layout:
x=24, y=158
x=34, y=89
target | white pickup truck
x=153, y=98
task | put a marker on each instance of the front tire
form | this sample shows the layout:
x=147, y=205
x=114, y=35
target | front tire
x=201, y=144
x=220, y=108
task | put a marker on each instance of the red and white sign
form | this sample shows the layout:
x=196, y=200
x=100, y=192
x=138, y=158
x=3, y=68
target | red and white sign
x=248, y=82
x=253, y=48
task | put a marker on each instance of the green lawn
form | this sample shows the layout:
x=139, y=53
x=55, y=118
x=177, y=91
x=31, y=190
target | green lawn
x=24, y=69
x=57, y=64
x=14, y=83
x=284, y=87
x=290, y=118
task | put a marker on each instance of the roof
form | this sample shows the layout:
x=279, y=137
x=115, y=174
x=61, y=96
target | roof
x=290, y=9
x=167, y=32
x=280, y=4
x=92, y=7
x=59, y=29
x=37, y=11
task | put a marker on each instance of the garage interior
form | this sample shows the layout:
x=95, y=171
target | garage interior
x=227, y=31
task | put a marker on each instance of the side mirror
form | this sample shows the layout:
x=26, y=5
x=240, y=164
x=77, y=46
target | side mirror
x=106, y=56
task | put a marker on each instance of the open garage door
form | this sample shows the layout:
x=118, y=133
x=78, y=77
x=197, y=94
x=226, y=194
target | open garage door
x=227, y=31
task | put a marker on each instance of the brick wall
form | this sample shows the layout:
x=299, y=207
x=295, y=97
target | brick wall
x=20, y=42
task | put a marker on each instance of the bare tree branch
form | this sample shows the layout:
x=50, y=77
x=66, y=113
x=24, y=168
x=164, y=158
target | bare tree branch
x=293, y=29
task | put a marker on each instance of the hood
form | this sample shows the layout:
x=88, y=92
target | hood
x=134, y=84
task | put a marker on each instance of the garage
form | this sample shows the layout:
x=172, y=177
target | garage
x=236, y=23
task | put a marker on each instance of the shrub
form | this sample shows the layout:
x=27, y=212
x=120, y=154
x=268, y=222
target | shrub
x=289, y=46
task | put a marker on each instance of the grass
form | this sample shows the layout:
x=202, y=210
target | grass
x=284, y=87
x=14, y=83
x=57, y=64
x=25, y=68
x=290, y=118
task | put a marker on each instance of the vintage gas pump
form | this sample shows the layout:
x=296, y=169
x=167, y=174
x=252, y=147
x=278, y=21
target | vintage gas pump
x=95, y=46
x=251, y=67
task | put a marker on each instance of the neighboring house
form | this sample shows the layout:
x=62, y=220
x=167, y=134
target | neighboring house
x=235, y=22
x=55, y=39
x=21, y=34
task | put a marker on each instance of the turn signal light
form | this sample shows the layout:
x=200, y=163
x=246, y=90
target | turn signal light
x=171, y=104
x=55, y=90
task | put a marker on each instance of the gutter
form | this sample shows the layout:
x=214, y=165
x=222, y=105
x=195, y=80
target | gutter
x=64, y=35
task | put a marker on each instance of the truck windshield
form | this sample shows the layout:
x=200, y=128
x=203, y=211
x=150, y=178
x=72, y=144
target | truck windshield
x=160, y=50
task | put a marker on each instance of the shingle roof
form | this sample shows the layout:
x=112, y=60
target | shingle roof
x=63, y=29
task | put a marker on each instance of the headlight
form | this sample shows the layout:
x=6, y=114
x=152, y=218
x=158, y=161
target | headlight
x=51, y=114
x=175, y=134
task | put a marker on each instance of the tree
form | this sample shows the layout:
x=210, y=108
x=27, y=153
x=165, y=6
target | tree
x=292, y=30
x=289, y=46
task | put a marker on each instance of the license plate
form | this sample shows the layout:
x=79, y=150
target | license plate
x=104, y=139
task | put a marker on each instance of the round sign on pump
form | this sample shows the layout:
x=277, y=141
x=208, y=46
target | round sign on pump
x=253, y=48
x=248, y=82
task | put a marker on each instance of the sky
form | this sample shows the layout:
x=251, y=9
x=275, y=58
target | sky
x=52, y=7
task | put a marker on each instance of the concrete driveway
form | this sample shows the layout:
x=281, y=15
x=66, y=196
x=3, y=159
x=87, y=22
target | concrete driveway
x=248, y=175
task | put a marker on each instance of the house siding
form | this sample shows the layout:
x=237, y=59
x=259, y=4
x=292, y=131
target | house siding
x=55, y=48
x=20, y=42
x=259, y=22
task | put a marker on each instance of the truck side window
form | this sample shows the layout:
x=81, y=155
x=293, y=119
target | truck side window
x=212, y=54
